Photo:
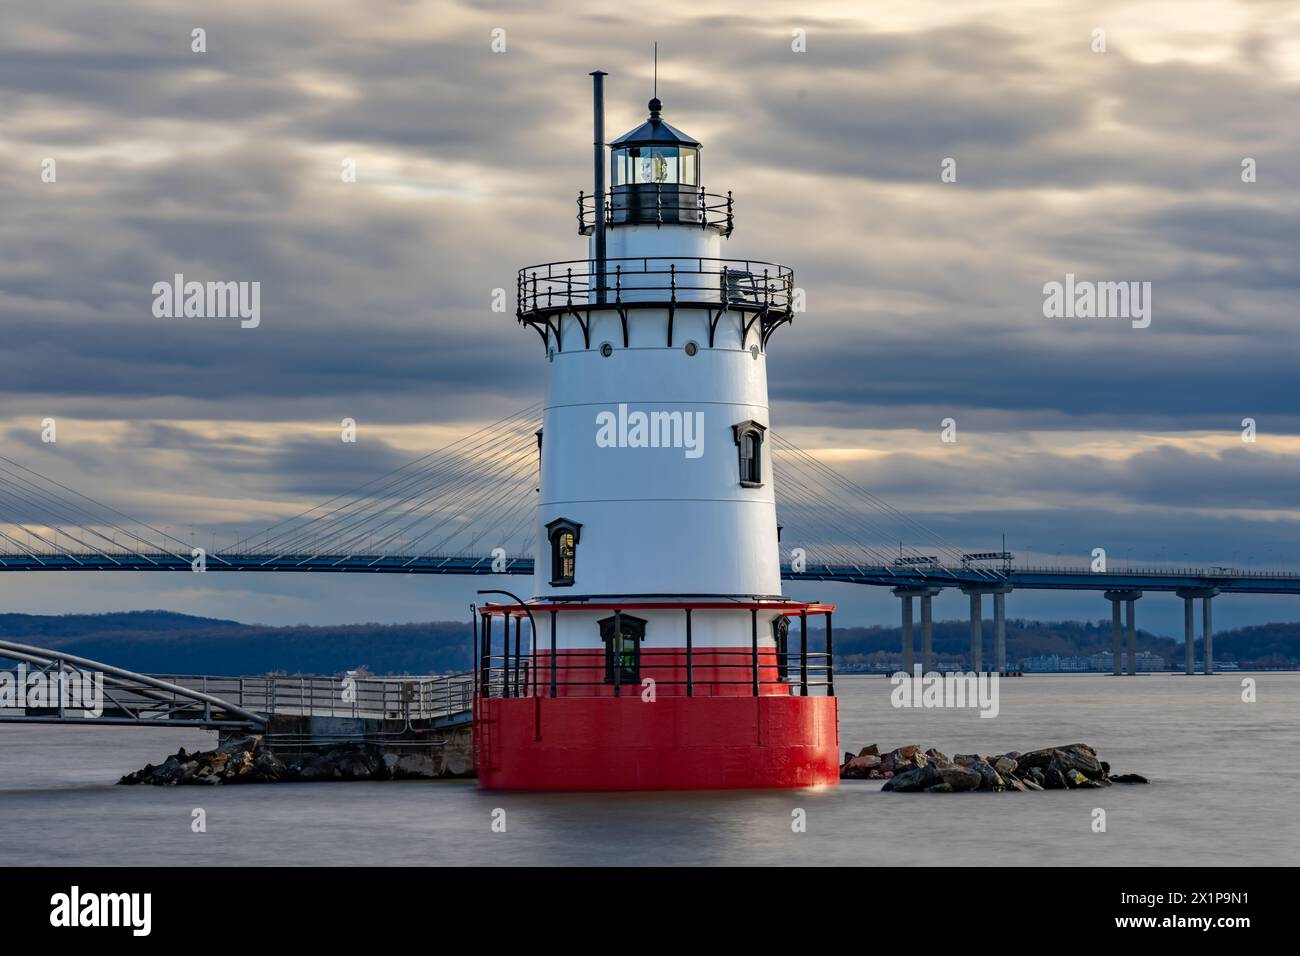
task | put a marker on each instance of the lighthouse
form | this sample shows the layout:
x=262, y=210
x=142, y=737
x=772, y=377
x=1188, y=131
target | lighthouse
x=662, y=653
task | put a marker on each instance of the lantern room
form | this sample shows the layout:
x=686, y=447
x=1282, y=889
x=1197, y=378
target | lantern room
x=655, y=175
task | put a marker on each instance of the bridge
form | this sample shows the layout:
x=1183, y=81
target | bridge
x=425, y=719
x=468, y=508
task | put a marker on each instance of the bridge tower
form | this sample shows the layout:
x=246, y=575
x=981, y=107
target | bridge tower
x=664, y=655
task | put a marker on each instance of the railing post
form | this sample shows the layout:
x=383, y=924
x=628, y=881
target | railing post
x=830, y=658
x=553, y=674
x=690, y=671
x=753, y=653
x=803, y=653
x=616, y=648
x=505, y=654
x=519, y=623
x=485, y=650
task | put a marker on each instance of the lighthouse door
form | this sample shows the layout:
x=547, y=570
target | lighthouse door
x=623, y=648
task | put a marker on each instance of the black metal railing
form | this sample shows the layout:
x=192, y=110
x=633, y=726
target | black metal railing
x=585, y=674
x=529, y=670
x=659, y=204
x=743, y=284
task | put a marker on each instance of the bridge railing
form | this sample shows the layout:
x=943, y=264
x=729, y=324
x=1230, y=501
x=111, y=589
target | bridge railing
x=389, y=698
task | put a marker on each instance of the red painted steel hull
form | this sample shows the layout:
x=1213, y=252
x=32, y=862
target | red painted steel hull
x=674, y=743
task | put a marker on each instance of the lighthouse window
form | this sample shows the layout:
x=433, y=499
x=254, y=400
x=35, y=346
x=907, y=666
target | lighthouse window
x=749, y=441
x=670, y=165
x=563, y=535
x=781, y=637
x=623, y=647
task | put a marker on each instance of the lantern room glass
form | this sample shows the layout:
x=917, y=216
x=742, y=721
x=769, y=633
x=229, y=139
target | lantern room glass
x=667, y=165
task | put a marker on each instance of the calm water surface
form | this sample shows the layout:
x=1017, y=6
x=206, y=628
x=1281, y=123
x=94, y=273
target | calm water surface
x=1225, y=775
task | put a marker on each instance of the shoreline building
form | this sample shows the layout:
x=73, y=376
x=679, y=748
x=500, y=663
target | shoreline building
x=662, y=652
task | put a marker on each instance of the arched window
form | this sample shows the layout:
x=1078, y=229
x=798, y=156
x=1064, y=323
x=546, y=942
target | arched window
x=749, y=442
x=781, y=637
x=563, y=535
x=623, y=648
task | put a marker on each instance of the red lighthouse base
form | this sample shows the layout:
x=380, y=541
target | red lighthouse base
x=674, y=743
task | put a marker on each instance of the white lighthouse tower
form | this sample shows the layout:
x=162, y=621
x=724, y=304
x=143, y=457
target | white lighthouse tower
x=663, y=653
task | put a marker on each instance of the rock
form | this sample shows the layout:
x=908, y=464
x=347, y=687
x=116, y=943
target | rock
x=965, y=760
x=1129, y=778
x=870, y=750
x=989, y=778
x=911, y=750
x=860, y=767
x=960, y=778
x=914, y=780
x=1005, y=765
x=239, y=765
x=938, y=758
x=412, y=766
x=1053, y=779
x=319, y=767
x=1079, y=757
x=1014, y=784
x=1030, y=783
x=248, y=742
x=940, y=788
x=267, y=768
x=1073, y=778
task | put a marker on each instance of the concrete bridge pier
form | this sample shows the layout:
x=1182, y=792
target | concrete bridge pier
x=1129, y=597
x=1189, y=596
x=977, y=593
x=905, y=596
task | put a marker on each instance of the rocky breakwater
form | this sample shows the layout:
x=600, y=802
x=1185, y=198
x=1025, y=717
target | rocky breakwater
x=911, y=770
x=245, y=760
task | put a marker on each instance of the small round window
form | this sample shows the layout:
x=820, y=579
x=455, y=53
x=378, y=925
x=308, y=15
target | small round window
x=606, y=350
x=753, y=350
x=691, y=348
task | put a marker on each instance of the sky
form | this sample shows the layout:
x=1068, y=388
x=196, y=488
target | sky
x=468, y=126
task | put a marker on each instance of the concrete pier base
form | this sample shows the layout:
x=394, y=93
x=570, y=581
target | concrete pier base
x=1129, y=598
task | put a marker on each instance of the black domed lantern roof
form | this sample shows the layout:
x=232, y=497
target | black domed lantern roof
x=655, y=132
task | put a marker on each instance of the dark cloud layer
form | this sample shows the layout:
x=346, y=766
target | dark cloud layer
x=925, y=298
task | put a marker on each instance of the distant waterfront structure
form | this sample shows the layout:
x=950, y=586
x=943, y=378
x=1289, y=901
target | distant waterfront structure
x=664, y=655
x=1103, y=661
x=1054, y=663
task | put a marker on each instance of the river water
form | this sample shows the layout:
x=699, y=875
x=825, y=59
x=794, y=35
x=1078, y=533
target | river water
x=1225, y=774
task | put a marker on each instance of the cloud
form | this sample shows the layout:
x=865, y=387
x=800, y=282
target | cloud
x=924, y=297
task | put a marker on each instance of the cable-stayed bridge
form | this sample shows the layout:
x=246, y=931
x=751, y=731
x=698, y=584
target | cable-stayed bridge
x=469, y=509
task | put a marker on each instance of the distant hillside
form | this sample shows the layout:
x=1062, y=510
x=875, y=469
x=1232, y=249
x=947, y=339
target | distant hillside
x=161, y=642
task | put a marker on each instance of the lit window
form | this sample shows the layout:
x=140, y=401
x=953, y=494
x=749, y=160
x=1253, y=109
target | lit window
x=623, y=648
x=563, y=535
